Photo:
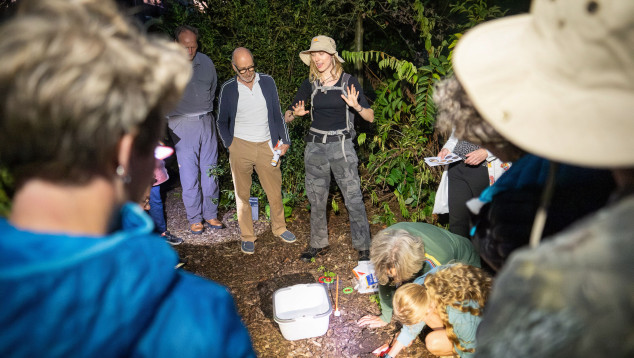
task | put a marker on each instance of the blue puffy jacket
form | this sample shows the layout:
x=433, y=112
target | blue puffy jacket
x=113, y=296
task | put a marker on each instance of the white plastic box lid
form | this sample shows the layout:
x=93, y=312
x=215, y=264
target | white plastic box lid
x=301, y=301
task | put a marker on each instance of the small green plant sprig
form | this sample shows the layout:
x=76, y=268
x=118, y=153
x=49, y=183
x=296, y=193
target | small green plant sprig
x=325, y=272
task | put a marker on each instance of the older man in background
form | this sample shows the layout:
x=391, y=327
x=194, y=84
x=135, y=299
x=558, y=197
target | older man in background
x=250, y=123
x=194, y=136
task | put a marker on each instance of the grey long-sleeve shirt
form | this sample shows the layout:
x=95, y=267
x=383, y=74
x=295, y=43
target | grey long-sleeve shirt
x=199, y=94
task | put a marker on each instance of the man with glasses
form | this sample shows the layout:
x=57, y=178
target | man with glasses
x=194, y=136
x=251, y=125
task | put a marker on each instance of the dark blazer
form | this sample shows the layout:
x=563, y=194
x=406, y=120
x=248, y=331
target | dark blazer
x=228, y=107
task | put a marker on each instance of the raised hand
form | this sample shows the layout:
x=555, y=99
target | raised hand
x=299, y=109
x=352, y=100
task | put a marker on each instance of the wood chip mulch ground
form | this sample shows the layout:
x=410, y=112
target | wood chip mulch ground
x=252, y=279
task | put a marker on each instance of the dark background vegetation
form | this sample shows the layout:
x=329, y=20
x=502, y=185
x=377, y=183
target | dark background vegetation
x=397, y=48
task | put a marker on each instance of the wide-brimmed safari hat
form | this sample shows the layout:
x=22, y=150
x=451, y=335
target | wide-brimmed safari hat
x=558, y=82
x=320, y=43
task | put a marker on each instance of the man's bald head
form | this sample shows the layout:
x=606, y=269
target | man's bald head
x=241, y=52
x=242, y=61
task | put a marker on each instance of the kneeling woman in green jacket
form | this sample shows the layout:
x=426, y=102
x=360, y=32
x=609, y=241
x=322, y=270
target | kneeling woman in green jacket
x=408, y=250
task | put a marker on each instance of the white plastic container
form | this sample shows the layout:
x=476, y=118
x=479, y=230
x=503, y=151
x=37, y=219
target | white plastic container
x=302, y=311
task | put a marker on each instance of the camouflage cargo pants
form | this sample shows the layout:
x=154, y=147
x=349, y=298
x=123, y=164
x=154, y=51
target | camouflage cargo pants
x=319, y=160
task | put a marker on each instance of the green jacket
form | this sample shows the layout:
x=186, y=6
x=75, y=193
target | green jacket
x=441, y=248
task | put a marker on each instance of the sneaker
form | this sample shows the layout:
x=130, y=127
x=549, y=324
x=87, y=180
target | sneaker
x=248, y=247
x=312, y=252
x=214, y=224
x=196, y=228
x=287, y=236
x=364, y=255
x=171, y=239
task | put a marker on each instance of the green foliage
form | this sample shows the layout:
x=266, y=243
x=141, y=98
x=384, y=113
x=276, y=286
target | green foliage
x=326, y=272
x=375, y=299
x=405, y=116
x=216, y=171
x=335, y=206
x=386, y=218
x=227, y=199
x=288, y=201
x=476, y=11
x=6, y=191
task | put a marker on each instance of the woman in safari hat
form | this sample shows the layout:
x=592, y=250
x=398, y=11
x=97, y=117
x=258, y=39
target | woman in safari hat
x=335, y=98
x=559, y=83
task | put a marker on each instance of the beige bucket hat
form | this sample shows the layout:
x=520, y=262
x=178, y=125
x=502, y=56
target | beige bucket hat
x=320, y=43
x=558, y=82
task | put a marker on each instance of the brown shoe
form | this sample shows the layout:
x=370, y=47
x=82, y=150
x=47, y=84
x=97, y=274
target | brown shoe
x=214, y=224
x=196, y=228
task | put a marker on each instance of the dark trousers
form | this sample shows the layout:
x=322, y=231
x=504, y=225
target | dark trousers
x=465, y=182
x=156, y=211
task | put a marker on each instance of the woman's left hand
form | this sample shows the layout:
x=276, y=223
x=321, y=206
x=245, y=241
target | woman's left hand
x=352, y=100
x=476, y=157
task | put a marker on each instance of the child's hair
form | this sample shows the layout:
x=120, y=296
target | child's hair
x=409, y=302
x=454, y=285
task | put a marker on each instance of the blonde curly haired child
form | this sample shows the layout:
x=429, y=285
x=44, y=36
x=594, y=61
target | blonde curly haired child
x=450, y=300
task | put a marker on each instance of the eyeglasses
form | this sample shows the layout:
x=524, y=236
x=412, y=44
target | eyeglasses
x=242, y=71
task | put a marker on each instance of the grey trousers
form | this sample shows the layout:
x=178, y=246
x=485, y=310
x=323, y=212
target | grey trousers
x=196, y=145
x=319, y=160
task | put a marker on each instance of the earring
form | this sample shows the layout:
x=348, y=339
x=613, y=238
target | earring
x=125, y=178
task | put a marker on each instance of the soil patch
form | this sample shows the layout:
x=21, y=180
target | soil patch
x=252, y=280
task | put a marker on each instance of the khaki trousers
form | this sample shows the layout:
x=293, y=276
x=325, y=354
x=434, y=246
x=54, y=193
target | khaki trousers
x=244, y=156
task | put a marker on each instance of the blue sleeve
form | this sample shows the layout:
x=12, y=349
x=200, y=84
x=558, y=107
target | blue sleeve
x=278, y=117
x=197, y=319
x=222, y=120
x=408, y=333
